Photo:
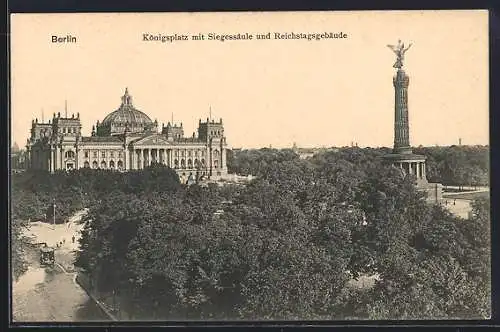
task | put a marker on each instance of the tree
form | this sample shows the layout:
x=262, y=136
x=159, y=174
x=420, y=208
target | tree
x=18, y=243
x=281, y=247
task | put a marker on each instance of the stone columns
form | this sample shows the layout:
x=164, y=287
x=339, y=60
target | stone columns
x=58, y=158
x=132, y=159
x=149, y=157
x=76, y=157
x=126, y=158
x=136, y=159
x=51, y=159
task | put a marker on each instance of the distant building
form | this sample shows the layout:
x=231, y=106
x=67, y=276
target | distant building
x=127, y=139
x=17, y=159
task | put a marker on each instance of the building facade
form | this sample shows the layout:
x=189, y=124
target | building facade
x=127, y=139
x=17, y=159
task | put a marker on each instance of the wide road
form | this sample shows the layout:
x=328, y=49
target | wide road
x=51, y=295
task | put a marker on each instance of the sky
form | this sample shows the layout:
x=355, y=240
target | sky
x=268, y=92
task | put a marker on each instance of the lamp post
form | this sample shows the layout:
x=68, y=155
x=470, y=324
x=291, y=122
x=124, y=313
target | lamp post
x=54, y=214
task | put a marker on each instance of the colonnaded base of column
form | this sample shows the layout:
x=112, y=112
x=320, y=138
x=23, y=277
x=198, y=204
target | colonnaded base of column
x=415, y=165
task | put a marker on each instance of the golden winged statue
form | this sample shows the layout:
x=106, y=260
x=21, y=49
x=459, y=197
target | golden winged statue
x=400, y=51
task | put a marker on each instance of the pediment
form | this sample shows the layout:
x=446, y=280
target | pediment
x=151, y=140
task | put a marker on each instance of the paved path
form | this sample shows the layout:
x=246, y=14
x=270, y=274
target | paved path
x=459, y=203
x=51, y=294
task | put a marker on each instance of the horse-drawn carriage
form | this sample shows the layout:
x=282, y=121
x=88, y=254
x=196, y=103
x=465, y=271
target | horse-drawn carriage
x=46, y=256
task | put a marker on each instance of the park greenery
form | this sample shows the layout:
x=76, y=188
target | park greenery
x=284, y=246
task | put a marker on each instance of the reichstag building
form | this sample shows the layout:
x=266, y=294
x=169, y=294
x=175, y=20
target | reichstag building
x=127, y=139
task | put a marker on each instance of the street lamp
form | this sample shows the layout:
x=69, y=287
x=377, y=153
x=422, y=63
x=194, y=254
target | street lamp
x=54, y=205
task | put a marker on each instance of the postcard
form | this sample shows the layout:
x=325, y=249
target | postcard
x=250, y=166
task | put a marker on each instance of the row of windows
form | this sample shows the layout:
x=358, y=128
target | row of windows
x=189, y=153
x=189, y=164
x=68, y=130
x=104, y=165
x=119, y=154
x=111, y=154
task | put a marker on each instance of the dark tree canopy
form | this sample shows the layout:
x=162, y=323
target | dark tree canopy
x=285, y=246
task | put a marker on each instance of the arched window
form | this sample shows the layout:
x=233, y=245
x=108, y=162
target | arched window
x=190, y=163
x=216, y=163
x=103, y=164
x=112, y=164
x=183, y=163
x=202, y=162
x=196, y=163
x=176, y=163
x=94, y=165
x=86, y=164
x=216, y=153
x=120, y=165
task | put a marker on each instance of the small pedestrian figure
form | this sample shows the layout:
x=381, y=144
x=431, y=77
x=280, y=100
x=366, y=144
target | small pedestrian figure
x=454, y=201
x=73, y=239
